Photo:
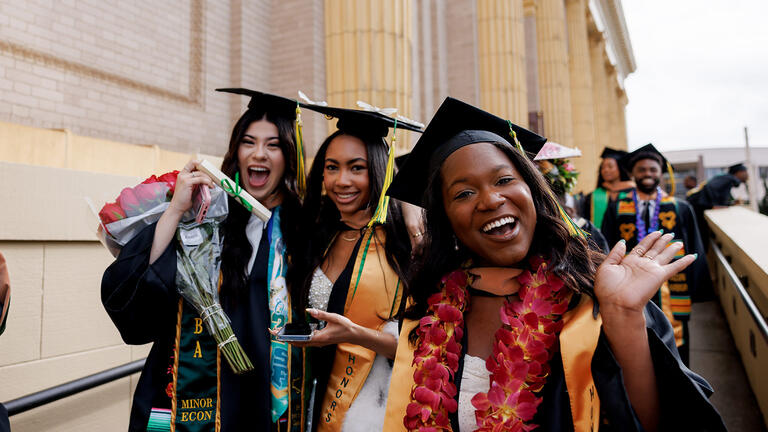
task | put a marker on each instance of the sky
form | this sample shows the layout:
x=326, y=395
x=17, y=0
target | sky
x=702, y=73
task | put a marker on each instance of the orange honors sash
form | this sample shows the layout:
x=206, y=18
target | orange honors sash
x=578, y=341
x=373, y=298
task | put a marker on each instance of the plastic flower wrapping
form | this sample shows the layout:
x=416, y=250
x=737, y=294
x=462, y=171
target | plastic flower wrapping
x=560, y=173
x=198, y=254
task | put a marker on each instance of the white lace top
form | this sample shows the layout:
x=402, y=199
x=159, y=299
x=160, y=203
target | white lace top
x=367, y=410
x=475, y=378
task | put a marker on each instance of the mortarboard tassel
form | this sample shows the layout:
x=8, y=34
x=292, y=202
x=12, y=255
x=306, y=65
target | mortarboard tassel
x=672, y=186
x=573, y=229
x=380, y=216
x=301, y=176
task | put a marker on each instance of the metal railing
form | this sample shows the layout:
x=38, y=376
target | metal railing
x=34, y=400
x=745, y=297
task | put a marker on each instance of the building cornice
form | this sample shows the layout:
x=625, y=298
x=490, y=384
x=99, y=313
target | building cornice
x=615, y=28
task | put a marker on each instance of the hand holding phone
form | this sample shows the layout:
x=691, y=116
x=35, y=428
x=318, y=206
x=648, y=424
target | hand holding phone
x=295, y=332
x=201, y=199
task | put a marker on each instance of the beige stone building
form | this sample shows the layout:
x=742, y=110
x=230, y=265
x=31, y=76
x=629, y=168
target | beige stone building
x=95, y=94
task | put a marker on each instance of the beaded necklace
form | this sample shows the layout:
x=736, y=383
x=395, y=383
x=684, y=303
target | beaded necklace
x=642, y=230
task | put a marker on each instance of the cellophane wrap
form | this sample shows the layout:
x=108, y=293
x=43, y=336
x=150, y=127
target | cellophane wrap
x=198, y=259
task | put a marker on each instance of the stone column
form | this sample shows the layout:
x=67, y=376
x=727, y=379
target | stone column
x=501, y=55
x=554, y=80
x=599, y=90
x=622, y=108
x=581, y=94
x=611, y=103
x=368, y=51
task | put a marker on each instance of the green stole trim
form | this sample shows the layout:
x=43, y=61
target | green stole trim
x=598, y=206
x=668, y=218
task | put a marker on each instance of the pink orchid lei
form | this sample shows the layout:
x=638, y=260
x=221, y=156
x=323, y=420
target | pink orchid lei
x=519, y=364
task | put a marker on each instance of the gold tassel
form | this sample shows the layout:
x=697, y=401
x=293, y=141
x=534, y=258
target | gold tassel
x=301, y=176
x=514, y=138
x=380, y=216
x=672, y=186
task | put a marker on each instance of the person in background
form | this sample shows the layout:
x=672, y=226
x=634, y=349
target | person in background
x=5, y=301
x=715, y=193
x=611, y=179
x=645, y=209
x=690, y=182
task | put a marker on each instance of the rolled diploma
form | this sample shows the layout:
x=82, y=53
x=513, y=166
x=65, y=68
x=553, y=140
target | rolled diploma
x=217, y=176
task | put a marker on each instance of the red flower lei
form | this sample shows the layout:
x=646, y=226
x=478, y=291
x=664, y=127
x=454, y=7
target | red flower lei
x=519, y=364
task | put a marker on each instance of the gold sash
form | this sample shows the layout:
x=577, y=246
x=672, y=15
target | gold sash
x=373, y=298
x=578, y=341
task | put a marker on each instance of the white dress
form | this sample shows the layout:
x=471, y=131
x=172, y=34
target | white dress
x=475, y=379
x=367, y=410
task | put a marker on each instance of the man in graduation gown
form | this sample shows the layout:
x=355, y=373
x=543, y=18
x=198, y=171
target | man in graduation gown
x=715, y=193
x=5, y=300
x=646, y=208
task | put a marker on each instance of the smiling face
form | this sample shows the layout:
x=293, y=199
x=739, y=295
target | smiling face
x=488, y=204
x=345, y=175
x=647, y=174
x=609, y=170
x=261, y=162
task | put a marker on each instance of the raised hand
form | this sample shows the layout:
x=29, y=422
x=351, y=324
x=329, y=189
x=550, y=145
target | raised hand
x=186, y=181
x=628, y=282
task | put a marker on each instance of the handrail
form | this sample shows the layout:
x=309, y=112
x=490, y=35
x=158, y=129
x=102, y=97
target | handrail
x=34, y=400
x=751, y=307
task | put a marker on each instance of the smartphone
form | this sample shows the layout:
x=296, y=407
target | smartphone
x=201, y=200
x=295, y=332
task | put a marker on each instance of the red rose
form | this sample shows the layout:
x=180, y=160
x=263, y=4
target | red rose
x=111, y=212
x=150, y=179
x=128, y=201
x=170, y=179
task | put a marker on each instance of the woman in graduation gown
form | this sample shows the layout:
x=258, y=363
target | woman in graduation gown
x=350, y=277
x=503, y=329
x=611, y=179
x=184, y=384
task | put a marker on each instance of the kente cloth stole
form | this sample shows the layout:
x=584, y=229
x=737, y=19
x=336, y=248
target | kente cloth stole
x=599, y=202
x=192, y=394
x=373, y=297
x=578, y=340
x=680, y=298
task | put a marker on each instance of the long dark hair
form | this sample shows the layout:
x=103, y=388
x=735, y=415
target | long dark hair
x=570, y=258
x=321, y=221
x=237, y=250
x=623, y=174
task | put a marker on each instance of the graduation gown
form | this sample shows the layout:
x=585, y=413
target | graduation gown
x=593, y=206
x=683, y=394
x=142, y=301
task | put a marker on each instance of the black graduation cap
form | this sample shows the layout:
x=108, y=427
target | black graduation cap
x=362, y=122
x=612, y=153
x=455, y=125
x=265, y=101
x=647, y=151
x=733, y=169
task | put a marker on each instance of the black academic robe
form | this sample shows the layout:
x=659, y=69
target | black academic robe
x=715, y=192
x=5, y=425
x=142, y=301
x=683, y=394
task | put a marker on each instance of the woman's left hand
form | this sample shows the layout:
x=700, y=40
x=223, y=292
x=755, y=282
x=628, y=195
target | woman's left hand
x=627, y=282
x=338, y=329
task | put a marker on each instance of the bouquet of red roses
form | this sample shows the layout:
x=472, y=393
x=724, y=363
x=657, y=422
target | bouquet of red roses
x=198, y=252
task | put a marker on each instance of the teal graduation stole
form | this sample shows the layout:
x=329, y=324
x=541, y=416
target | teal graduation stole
x=279, y=308
x=598, y=205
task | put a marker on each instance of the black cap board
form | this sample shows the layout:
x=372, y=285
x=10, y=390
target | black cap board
x=612, y=153
x=265, y=101
x=362, y=122
x=647, y=151
x=455, y=125
x=733, y=169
